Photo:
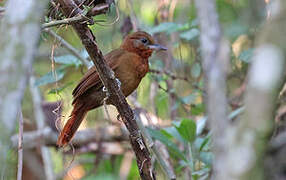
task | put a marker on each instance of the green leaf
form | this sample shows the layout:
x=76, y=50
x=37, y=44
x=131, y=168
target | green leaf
x=187, y=129
x=197, y=109
x=174, y=133
x=205, y=142
x=168, y=27
x=190, y=35
x=170, y=145
x=60, y=89
x=166, y=133
x=206, y=157
x=235, y=29
x=68, y=60
x=50, y=77
x=161, y=101
x=246, y=55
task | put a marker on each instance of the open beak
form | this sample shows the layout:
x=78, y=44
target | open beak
x=157, y=47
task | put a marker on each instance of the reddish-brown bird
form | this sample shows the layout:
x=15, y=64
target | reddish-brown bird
x=130, y=65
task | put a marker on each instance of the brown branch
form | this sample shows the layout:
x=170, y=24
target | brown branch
x=99, y=9
x=116, y=97
x=48, y=137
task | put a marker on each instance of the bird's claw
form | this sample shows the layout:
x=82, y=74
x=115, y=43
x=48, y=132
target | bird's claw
x=118, y=82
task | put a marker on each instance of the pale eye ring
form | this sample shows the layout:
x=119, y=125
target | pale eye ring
x=144, y=40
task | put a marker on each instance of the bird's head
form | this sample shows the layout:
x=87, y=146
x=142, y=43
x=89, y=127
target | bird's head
x=141, y=43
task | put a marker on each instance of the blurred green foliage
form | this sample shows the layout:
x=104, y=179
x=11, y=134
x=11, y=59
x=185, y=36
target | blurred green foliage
x=190, y=151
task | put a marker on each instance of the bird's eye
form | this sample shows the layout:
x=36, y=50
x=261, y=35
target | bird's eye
x=144, y=40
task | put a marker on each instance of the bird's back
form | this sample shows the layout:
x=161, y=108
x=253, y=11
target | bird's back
x=128, y=67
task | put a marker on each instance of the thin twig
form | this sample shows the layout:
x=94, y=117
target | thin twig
x=75, y=19
x=172, y=76
x=64, y=43
x=175, y=77
x=20, y=146
x=99, y=9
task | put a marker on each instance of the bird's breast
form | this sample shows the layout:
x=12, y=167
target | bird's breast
x=131, y=73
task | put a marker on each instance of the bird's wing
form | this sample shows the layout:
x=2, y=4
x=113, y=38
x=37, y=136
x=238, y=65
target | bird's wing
x=91, y=77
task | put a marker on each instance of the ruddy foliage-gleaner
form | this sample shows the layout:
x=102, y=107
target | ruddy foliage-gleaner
x=129, y=63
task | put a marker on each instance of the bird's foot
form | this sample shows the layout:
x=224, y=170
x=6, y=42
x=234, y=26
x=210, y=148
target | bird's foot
x=118, y=82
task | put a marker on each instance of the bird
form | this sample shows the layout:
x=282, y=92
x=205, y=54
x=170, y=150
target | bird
x=129, y=63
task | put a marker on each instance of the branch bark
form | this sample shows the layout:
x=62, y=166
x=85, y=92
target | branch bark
x=69, y=8
x=20, y=32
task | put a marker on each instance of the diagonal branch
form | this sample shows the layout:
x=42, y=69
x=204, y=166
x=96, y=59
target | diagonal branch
x=69, y=8
x=69, y=47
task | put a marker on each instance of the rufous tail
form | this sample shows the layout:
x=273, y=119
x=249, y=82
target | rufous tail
x=72, y=125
